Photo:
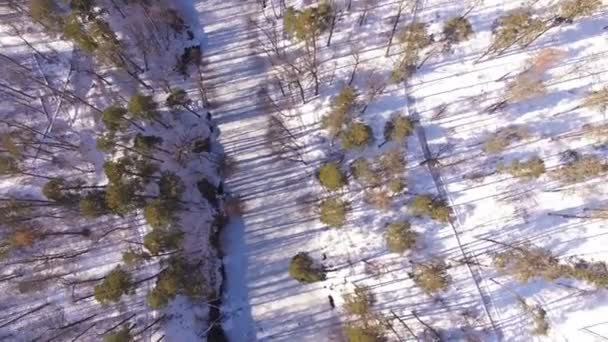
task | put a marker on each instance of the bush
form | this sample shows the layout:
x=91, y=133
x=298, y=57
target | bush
x=159, y=240
x=357, y=135
x=426, y=205
x=143, y=107
x=23, y=238
x=518, y=26
x=157, y=299
x=341, y=110
x=359, y=302
x=574, y=9
x=457, y=29
x=122, y=335
x=526, y=170
x=114, y=118
x=333, y=212
x=393, y=162
x=331, y=177
x=503, y=138
x=159, y=213
x=525, y=263
x=114, y=285
x=580, y=168
x=399, y=237
x=121, y=197
x=177, y=98
x=398, y=128
x=369, y=333
x=93, y=204
x=415, y=37
x=302, y=269
x=380, y=199
x=363, y=172
x=526, y=86
x=170, y=186
x=432, y=277
x=596, y=100
x=73, y=30
x=45, y=12
x=396, y=185
x=132, y=258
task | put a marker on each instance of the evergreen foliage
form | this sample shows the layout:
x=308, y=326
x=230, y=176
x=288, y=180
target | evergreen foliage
x=115, y=284
x=331, y=177
x=333, y=212
x=303, y=269
x=400, y=237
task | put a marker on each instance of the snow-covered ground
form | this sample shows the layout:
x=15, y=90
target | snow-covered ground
x=263, y=303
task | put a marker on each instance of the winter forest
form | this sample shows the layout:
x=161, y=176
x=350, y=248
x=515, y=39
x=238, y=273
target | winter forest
x=303, y=170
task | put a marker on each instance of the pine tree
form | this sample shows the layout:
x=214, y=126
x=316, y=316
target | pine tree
x=170, y=186
x=46, y=13
x=121, y=197
x=143, y=107
x=331, y=177
x=122, y=335
x=147, y=143
x=400, y=237
x=74, y=31
x=93, y=204
x=160, y=240
x=114, y=117
x=116, y=284
x=303, y=269
x=159, y=213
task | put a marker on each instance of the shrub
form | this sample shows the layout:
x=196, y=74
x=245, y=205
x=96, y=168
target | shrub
x=93, y=204
x=415, y=37
x=159, y=213
x=368, y=333
x=380, y=199
x=160, y=240
x=170, y=186
x=333, y=212
x=432, y=277
x=331, y=177
x=357, y=135
x=398, y=128
x=426, y=205
x=157, y=299
x=122, y=335
x=143, y=107
x=503, y=138
x=121, y=198
x=45, y=12
x=73, y=30
x=539, y=319
x=177, y=98
x=23, y=238
x=457, y=29
x=396, y=185
x=114, y=118
x=302, y=269
x=525, y=263
x=307, y=24
x=133, y=258
x=363, y=172
x=359, y=302
x=574, y=9
x=393, y=162
x=526, y=170
x=519, y=26
x=399, y=237
x=526, y=86
x=341, y=110
x=580, y=168
x=597, y=100
x=114, y=285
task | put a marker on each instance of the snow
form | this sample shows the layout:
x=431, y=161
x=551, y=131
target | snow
x=263, y=303
x=260, y=301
